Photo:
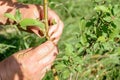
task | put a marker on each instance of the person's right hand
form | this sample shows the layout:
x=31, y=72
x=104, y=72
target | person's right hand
x=29, y=64
x=34, y=12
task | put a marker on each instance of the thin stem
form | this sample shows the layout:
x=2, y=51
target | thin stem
x=55, y=73
x=71, y=75
x=46, y=17
x=77, y=74
x=47, y=36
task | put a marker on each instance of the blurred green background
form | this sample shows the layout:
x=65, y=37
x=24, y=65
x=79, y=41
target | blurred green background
x=90, y=43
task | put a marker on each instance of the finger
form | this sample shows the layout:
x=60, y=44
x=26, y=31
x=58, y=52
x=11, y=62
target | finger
x=39, y=74
x=52, y=29
x=44, y=63
x=48, y=60
x=58, y=32
x=41, y=51
x=52, y=16
x=55, y=40
x=44, y=71
x=56, y=35
x=38, y=54
x=42, y=76
x=14, y=0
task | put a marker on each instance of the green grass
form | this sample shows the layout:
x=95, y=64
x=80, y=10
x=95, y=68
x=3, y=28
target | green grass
x=90, y=43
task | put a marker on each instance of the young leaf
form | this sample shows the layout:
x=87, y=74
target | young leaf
x=18, y=15
x=32, y=22
x=101, y=39
x=10, y=16
x=54, y=22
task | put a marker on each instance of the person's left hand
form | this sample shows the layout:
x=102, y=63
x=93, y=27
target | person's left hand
x=29, y=64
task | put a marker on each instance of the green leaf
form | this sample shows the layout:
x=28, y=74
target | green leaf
x=60, y=66
x=101, y=39
x=18, y=15
x=117, y=22
x=108, y=19
x=4, y=47
x=10, y=16
x=32, y=22
x=83, y=39
x=118, y=50
x=101, y=8
x=66, y=73
x=68, y=49
x=82, y=25
x=65, y=58
x=81, y=49
x=115, y=33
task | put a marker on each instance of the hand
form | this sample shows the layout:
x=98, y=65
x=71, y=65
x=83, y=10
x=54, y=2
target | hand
x=55, y=30
x=30, y=64
x=34, y=11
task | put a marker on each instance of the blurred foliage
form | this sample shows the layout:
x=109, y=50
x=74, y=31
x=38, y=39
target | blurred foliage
x=90, y=44
x=13, y=40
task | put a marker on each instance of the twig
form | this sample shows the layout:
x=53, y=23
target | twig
x=47, y=36
x=46, y=17
x=71, y=75
x=77, y=74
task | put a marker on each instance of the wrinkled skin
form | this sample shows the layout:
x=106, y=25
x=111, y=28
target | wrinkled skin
x=32, y=63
